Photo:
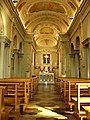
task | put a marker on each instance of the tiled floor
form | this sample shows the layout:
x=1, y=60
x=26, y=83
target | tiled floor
x=46, y=105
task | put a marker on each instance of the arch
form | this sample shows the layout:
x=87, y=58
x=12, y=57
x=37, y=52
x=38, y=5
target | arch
x=20, y=46
x=77, y=43
x=72, y=6
x=4, y=20
x=1, y=23
x=72, y=47
x=88, y=28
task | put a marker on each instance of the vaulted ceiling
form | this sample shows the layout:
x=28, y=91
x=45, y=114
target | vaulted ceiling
x=46, y=18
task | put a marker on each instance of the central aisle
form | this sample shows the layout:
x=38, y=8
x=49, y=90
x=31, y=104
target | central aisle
x=46, y=105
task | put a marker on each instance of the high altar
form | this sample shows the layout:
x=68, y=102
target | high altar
x=46, y=77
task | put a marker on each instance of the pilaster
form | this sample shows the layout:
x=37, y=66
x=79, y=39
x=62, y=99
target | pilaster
x=2, y=54
x=72, y=65
x=86, y=46
x=20, y=63
x=16, y=63
x=76, y=53
x=89, y=60
x=3, y=41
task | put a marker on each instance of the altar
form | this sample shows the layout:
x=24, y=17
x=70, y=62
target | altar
x=46, y=77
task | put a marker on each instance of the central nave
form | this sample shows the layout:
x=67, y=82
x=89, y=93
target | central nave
x=47, y=104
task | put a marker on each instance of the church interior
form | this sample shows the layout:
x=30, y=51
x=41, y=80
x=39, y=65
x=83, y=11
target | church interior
x=45, y=59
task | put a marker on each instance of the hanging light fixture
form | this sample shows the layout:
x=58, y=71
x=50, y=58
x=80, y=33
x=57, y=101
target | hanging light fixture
x=14, y=1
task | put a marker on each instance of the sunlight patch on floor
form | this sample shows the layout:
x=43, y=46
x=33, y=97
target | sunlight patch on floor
x=47, y=112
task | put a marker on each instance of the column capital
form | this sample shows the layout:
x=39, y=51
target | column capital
x=71, y=55
x=21, y=54
x=16, y=51
x=76, y=51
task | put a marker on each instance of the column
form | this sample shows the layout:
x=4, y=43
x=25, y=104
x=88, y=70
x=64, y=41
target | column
x=20, y=64
x=7, y=61
x=2, y=54
x=83, y=73
x=33, y=69
x=16, y=63
x=59, y=64
x=88, y=60
x=76, y=52
x=72, y=65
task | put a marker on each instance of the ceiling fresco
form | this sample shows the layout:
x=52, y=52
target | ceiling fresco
x=46, y=18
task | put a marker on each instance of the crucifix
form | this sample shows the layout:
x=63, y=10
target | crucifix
x=46, y=57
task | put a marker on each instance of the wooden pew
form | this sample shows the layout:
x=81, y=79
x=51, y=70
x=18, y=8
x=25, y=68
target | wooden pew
x=1, y=101
x=69, y=86
x=58, y=84
x=87, y=109
x=32, y=88
x=15, y=101
x=12, y=102
x=4, y=110
x=80, y=99
x=61, y=84
x=35, y=84
x=26, y=86
x=29, y=86
x=81, y=102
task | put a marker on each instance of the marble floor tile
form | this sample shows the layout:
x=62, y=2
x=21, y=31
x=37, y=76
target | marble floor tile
x=46, y=105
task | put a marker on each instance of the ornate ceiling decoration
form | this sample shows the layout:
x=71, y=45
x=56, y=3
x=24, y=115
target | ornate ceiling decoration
x=47, y=18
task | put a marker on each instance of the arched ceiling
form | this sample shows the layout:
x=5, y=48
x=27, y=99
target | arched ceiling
x=46, y=18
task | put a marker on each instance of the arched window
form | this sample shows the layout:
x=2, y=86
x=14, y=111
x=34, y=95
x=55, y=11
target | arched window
x=15, y=42
x=77, y=43
x=20, y=47
x=72, y=47
x=1, y=25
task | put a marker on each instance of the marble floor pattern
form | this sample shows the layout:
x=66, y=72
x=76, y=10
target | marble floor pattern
x=46, y=105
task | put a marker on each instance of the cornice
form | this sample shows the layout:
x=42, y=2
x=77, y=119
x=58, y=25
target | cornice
x=78, y=15
x=14, y=14
x=86, y=41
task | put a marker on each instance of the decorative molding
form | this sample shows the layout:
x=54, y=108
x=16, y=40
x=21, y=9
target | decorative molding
x=13, y=11
x=79, y=17
x=21, y=54
x=86, y=41
x=76, y=51
x=16, y=50
x=71, y=55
